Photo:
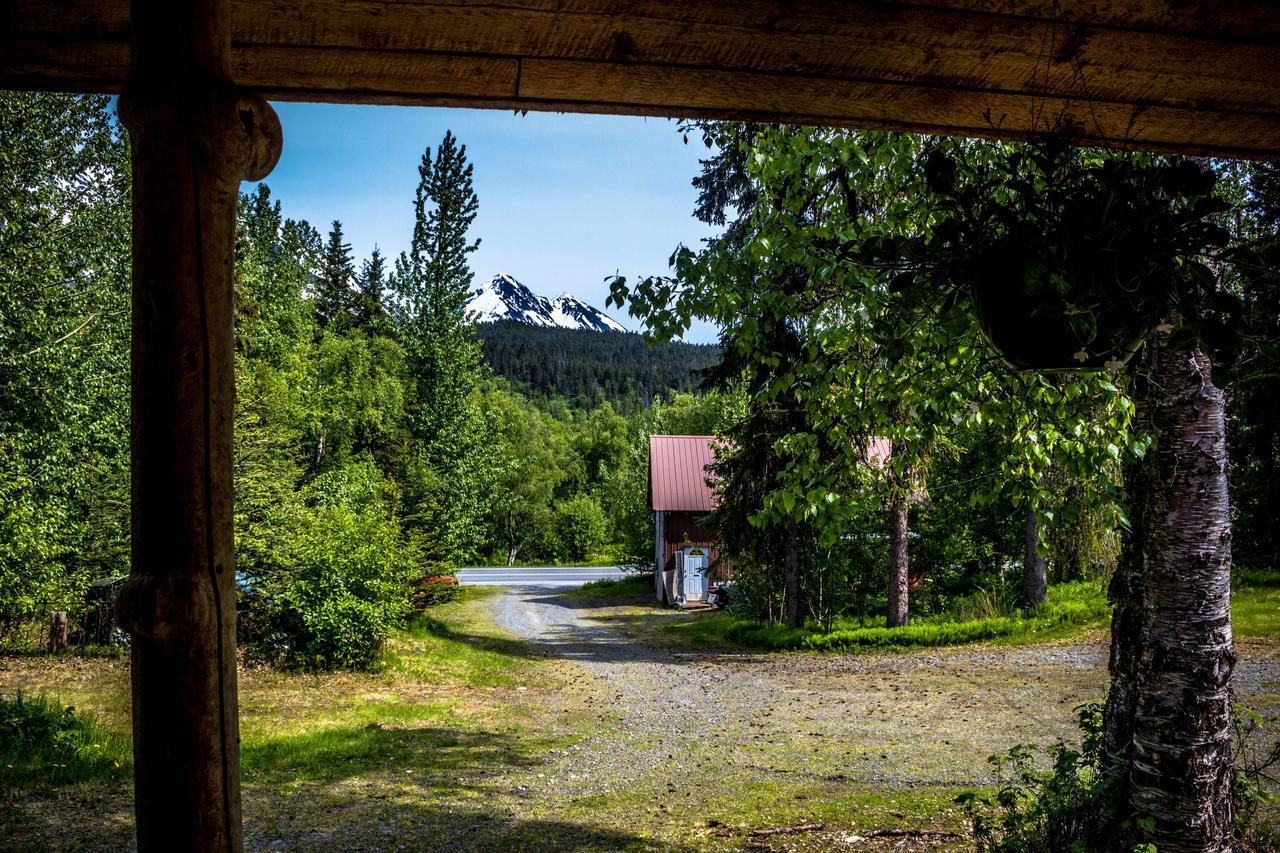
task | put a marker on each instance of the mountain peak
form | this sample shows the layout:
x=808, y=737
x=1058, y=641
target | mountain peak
x=504, y=298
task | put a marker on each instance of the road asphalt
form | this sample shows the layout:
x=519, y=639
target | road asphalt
x=547, y=576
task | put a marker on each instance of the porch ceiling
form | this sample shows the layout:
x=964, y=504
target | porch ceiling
x=1198, y=76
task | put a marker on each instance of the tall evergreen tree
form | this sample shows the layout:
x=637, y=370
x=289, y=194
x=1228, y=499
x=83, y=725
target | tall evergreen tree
x=431, y=283
x=430, y=286
x=371, y=310
x=335, y=300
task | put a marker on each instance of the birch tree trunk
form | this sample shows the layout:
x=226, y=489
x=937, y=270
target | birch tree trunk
x=793, y=613
x=899, y=581
x=1035, y=577
x=1181, y=775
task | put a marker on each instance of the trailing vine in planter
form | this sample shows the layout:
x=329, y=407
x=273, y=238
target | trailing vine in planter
x=1071, y=257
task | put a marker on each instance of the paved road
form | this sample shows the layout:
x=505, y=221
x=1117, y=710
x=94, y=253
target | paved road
x=555, y=576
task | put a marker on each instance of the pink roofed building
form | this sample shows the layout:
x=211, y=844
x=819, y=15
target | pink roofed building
x=681, y=496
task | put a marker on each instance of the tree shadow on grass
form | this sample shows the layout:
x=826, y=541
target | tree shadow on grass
x=428, y=625
x=427, y=825
x=354, y=788
x=311, y=817
x=432, y=756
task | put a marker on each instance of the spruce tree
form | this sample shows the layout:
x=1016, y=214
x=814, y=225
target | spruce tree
x=335, y=301
x=431, y=284
x=371, y=310
x=430, y=287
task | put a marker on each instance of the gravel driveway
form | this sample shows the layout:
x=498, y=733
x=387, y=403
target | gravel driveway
x=896, y=720
x=893, y=720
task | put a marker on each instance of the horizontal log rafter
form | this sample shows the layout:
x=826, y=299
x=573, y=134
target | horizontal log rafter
x=1187, y=75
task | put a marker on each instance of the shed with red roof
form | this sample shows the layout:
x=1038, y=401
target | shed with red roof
x=681, y=496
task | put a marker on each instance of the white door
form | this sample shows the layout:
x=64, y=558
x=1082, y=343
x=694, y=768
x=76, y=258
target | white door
x=695, y=574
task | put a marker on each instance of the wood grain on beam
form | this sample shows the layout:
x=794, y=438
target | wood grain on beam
x=1198, y=75
x=875, y=105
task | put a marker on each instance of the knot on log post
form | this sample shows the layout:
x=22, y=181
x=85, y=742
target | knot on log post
x=249, y=131
x=175, y=609
x=236, y=132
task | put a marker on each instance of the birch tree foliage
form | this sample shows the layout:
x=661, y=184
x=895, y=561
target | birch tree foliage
x=844, y=218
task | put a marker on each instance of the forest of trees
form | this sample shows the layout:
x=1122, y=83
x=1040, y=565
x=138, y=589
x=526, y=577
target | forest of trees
x=590, y=368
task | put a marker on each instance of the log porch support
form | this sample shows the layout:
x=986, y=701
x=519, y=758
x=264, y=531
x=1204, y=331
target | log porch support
x=194, y=138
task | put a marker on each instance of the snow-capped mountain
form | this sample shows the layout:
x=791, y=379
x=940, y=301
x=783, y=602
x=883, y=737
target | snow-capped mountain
x=504, y=298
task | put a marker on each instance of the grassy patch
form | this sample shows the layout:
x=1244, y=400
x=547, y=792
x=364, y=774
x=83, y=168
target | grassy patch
x=690, y=817
x=44, y=744
x=1071, y=608
x=457, y=644
x=614, y=589
x=1255, y=611
x=401, y=741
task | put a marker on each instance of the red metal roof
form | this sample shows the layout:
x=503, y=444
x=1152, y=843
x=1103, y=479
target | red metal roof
x=678, y=473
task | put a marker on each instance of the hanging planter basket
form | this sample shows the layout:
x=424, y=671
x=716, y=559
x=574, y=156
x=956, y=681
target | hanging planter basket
x=1071, y=261
x=1037, y=319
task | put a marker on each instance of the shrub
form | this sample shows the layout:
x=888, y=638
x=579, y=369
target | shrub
x=1075, y=805
x=431, y=591
x=43, y=744
x=1255, y=755
x=336, y=579
x=1078, y=803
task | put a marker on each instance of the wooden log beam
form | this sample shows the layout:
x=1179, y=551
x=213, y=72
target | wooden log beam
x=194, y=137
x=1181, y=75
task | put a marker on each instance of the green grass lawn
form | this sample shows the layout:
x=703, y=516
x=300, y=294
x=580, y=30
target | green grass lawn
x=1072, y=609
x=1255, y=611
x=632, y=587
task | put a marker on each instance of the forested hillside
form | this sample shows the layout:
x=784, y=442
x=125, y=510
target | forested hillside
x=589, y=368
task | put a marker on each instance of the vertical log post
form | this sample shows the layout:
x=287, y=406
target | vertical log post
x=194, y=138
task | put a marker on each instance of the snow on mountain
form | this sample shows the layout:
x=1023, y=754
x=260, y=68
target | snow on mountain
x=504, y=298
x=572, y=313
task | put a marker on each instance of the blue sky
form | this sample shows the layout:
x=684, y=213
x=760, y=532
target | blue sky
x=565, y=200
